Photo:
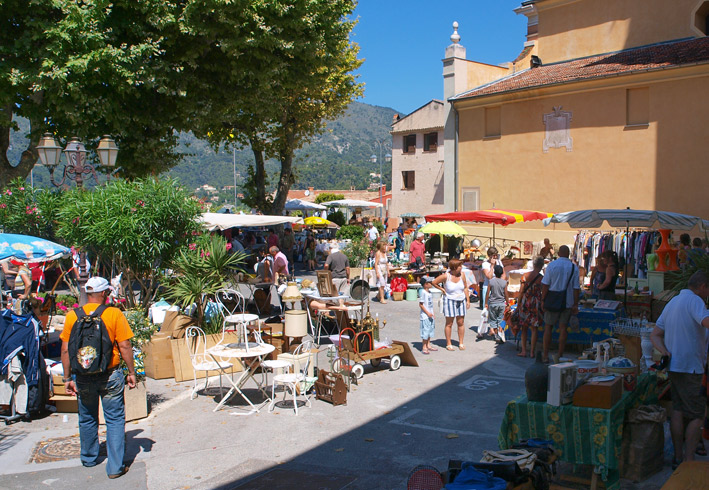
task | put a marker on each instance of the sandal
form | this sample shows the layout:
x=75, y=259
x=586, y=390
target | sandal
x=461, y=346
x=449, y=347
x=433, y=349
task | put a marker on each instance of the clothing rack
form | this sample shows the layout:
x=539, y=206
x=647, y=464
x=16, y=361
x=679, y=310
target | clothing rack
x=631, y=245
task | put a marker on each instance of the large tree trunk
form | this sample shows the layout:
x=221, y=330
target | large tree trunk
x=285, y=179
x=29, y=157
x=259, y=176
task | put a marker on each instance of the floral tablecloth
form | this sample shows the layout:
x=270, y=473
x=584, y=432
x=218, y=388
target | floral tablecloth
x=581, y=435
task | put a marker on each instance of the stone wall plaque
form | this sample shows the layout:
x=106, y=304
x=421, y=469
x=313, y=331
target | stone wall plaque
x=557, y=134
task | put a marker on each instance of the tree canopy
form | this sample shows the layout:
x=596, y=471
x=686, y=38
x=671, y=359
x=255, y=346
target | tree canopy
x=259, y=72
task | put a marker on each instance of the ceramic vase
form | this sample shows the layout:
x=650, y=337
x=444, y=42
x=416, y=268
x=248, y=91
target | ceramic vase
x=536, y=380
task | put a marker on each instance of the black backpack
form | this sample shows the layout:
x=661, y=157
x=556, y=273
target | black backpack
x=90, y=346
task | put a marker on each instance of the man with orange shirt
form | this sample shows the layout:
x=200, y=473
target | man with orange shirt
x=108, y=385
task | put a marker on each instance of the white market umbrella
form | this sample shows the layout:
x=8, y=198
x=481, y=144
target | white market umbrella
x=352, y=203
x=300, y=205
x=635, y=218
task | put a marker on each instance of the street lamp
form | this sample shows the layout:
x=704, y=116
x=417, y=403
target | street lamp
x=50, y=154
x=373, y=159
x=76, y=166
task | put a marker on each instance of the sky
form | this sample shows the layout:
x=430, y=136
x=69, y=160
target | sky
x=403, y=42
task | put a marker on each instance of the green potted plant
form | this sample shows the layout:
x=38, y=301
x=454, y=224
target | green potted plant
x=357, y=251
x=202, y=269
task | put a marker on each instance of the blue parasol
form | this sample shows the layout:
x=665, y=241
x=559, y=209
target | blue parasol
x=27, y=248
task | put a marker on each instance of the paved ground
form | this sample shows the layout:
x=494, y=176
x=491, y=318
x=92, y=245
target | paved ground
x=449, y=407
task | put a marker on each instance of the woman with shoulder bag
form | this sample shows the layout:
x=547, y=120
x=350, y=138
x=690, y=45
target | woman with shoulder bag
x=529, y=306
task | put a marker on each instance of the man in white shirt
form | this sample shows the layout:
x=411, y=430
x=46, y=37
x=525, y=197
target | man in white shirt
x=373, y=233
x=681, y=334
x=560, y=275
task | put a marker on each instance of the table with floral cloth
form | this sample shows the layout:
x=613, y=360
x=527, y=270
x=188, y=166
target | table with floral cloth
x=594, y=325
x=581, y=435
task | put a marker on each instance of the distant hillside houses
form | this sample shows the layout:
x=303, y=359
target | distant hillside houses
x=208, y=189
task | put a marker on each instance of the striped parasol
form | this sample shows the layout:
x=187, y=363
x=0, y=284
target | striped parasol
x=504, y=217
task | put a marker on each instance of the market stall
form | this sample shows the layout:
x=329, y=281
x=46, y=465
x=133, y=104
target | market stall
x=633, y=241
x=581, y=435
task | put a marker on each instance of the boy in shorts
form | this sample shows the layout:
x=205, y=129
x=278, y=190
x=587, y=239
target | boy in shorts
x=426, y=315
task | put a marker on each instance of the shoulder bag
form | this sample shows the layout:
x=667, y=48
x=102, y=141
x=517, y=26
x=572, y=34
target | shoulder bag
x=556, y=300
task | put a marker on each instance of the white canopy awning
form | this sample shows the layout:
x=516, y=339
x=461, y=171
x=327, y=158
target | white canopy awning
x=214, y=221
x=351, y=203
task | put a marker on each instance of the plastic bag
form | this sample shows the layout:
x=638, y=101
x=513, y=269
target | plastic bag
x=483, y=326
x=470, y=478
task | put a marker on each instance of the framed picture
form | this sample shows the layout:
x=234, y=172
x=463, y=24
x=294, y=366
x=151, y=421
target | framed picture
x=325, y=285
x=606, y=304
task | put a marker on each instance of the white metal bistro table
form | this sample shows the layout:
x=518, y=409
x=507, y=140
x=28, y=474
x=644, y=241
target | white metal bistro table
x=240, y=318
x=240, y=351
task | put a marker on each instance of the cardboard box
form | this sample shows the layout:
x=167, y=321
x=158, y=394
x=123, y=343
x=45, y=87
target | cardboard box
x=58, y=383
x=158, y=357
x=175, y=324
x=183, y=364
x=300, y=360
x=136, y=401
x=599, y=395
x=65, y=403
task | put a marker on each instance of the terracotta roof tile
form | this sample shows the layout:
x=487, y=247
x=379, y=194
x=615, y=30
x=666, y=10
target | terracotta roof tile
x=667, y=55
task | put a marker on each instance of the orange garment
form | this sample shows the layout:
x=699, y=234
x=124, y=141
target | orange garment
x=116, y=325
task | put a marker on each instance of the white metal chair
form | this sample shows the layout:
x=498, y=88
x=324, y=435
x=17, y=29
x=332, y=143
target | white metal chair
x=295, y=381
x=201, y=361
x=230, y=302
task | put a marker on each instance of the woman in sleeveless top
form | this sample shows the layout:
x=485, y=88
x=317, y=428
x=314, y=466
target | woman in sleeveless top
x=381, y=266
x=456, y=300
x=606, y=290
x=598, y=275
x=530, y=305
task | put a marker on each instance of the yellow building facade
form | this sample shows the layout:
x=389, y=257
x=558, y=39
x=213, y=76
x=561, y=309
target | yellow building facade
x=606, y=107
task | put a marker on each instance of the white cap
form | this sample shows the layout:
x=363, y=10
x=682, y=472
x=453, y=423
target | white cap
x=96, y=285
x=419, y=235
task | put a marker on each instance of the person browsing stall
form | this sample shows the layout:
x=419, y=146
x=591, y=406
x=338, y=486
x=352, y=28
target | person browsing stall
x=561, y=276
x=372, y=233
x=417, y=250
x=339, y=264
x=681, y=333
x=531, y=316
x=108, y=386
x=381, y=267
x=279, y=268
x=488, y=268
x=496, y=300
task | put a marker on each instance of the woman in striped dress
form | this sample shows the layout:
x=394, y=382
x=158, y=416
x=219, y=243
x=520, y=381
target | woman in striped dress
x=456, y=299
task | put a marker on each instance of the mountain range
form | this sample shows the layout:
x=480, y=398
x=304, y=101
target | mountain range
x=337, y=159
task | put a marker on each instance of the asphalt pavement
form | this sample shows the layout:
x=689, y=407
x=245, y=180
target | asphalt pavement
x=449, y=407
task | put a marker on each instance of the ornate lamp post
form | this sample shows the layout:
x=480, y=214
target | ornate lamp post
x=373, y=159
x=76, y=167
